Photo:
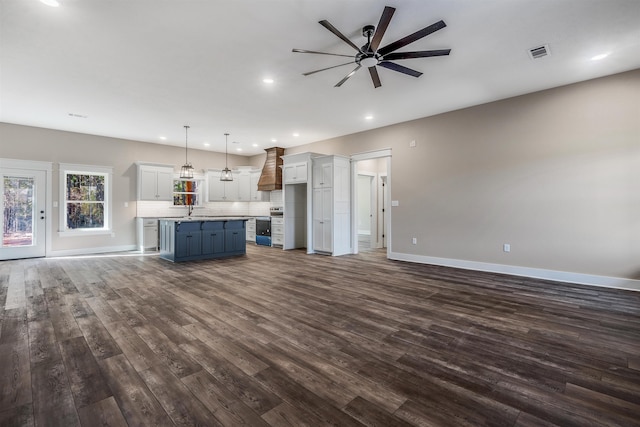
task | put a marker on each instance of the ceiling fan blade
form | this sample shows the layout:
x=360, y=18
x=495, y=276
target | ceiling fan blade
x=412, y=38
x=418, y=54
x=320, y=53
x=328, y=68
x=338, y=34
x=374, y=76
x=399, y=68
x=387, y=13
x=347, y=76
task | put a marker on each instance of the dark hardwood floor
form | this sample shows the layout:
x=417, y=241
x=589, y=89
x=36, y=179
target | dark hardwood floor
x=289, y=339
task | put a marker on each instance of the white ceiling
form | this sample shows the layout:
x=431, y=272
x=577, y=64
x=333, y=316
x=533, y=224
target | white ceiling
x=141, y=69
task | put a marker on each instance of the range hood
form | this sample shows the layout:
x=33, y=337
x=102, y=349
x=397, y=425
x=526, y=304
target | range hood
x=271, y=177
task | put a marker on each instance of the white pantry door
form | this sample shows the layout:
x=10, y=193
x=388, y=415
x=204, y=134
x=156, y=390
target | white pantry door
x=22, y=203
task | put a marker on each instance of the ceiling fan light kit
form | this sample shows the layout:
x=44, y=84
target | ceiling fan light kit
x=371, y=56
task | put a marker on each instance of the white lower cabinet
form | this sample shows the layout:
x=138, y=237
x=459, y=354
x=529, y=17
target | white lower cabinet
x=147, y=234
x=251, y=230
x=277, y=231
x=322, y=214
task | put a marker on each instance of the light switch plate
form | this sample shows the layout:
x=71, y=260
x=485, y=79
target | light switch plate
x=395, y=203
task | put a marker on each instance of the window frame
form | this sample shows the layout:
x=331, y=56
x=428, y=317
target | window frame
x=71, y=169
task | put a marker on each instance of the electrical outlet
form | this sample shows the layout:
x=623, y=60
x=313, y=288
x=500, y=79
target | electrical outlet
x=506, y=247
x=414, y=240
x=412, y=143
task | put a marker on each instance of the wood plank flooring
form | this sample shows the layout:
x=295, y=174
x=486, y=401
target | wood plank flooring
x=289, y=339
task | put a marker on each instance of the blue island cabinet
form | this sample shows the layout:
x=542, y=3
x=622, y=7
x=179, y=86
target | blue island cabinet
x=213, y=238
x=188, y=240
x=235, y=236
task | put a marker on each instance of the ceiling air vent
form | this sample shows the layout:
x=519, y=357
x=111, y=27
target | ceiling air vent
x=539, y=52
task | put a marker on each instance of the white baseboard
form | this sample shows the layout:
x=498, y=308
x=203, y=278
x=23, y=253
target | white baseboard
x=537, y=273
x=90, y=251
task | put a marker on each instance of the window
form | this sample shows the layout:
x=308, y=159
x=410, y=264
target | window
x=86, y=199
x=186, y=192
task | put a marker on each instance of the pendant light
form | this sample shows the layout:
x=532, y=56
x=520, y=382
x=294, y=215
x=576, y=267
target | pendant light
x=226, y=174
x=186, y=172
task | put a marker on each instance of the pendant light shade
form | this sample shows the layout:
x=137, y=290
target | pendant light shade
x=226, y=174
x=186, y=171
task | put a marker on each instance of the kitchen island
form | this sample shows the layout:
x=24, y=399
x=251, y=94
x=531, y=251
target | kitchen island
x=196, y=238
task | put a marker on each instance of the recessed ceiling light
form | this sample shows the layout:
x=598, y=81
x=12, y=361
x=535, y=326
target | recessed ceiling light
x=296, y=134
x=238, y=149
x=52, y=3
x=164, y=138
x=267, y=80
x=254, y=145
x=369, y=117
x=206, y=144
x=599, y=57
x=274, y=140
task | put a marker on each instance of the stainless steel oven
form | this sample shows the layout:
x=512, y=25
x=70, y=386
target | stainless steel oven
x=263, y=230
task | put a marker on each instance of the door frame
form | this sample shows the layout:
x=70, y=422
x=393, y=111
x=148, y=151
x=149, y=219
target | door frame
x=47, y=168
x=355, y=158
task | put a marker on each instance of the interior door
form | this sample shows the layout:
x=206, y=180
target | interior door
x=22, y=205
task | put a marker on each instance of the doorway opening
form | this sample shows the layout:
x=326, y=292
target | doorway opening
x=371, y=215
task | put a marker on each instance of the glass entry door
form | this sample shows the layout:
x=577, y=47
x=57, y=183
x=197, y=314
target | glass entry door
x=22, y=204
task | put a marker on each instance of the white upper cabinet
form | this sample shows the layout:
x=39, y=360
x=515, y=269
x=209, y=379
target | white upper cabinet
x=294, y=173
x=322, y=174
x=216, y=187
x=243, y=188
x=244, y=185
x=254, y=194
x=155, y=182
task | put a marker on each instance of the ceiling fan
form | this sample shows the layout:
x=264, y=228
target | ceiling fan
x=370, y=56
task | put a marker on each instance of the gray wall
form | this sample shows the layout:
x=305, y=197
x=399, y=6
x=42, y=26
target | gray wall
x=556, y=174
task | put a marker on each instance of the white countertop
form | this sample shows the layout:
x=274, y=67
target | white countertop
x=206, y=218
